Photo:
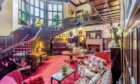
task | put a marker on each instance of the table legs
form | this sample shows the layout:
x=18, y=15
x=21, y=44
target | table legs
x=51, y=80
x=74, y=75
x=59, y=82
x=71, y=58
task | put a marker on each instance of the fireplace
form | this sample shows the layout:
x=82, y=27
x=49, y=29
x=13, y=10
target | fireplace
x=94, y=44
x=91, y=47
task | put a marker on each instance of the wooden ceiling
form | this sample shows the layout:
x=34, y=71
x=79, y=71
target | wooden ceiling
x=109, y=10
x=78, y=2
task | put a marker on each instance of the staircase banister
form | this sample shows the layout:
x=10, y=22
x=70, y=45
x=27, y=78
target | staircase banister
x=18, y=44
x=24, y=38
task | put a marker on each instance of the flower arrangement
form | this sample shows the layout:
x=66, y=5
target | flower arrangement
x=64, y=69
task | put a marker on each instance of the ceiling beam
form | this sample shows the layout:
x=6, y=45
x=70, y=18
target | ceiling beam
x=92, y=6
x=103, y=14
x=72, y=3
x=115, y=9
x=105, y=3
x=107, y=7
x=116, y=16
x=81, y=3
x=108, y=11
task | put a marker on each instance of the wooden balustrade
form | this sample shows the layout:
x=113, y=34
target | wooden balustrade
x=49, y=32
x=10, y=48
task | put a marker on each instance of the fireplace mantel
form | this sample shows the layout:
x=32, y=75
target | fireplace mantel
x=95, y=42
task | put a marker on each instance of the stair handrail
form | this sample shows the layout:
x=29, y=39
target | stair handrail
x=24, y=38
x=20, y=43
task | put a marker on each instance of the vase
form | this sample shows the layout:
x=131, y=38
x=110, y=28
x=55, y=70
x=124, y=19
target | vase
x=64, y=72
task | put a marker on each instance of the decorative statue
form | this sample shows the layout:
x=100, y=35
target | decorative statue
x=113, y=44
x=115, y=36
x=38, y=23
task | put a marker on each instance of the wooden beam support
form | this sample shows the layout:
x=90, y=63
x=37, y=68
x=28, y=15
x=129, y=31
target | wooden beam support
x=73, y=3
x=101, y=12
x=107, y=7
x=111, y=13
x=82, y=3
x=105, y=3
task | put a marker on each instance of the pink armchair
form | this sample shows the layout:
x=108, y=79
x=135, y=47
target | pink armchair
x=12, y=78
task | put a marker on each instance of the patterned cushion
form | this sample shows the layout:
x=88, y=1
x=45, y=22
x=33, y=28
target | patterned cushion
x=82, y=81
x=96, y=60
x=88, y=73
x=95, y=78
x=106, y=78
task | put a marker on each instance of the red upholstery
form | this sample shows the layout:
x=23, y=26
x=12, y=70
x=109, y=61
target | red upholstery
x=38, y=79
x=14, y=75
x=106, y=77
x=104, y=55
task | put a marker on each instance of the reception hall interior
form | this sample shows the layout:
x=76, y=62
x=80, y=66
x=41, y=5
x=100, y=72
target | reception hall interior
x=69, y=41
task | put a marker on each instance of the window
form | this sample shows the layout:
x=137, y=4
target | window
x=50, y=15
x=60, y=8
x=42, y=14
x=36, y=11
x=31, y=10
x=35, y=8
x=19, y=4
x=41, y=5
x=60, y=15
x=50, y=7
x=55, y=11
x=32, y=2
x=37, y=3
x=55, y=7
x=23, y=6
x=50, y=23
x=42, y=21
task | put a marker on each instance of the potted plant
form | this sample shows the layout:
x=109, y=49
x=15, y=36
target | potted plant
x=25, y=15
x=64, y=69
x=56, y=20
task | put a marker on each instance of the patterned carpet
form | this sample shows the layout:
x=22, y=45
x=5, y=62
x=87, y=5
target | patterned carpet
x=52, y=65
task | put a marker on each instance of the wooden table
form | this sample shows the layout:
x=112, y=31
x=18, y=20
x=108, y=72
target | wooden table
x=70, y=54
x=59, y=76
x=37, y=56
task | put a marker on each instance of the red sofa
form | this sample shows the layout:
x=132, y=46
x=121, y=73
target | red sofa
x=106, y=56
x=97, y=58
x=15, y=77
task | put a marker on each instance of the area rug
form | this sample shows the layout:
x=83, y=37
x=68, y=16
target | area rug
x=52, y=65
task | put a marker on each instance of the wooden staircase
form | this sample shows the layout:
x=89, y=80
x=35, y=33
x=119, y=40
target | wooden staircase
x=46, y=33
x=24, y=47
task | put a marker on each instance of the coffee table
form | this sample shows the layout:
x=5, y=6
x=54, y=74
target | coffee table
x=59, y=76
x=70, y=54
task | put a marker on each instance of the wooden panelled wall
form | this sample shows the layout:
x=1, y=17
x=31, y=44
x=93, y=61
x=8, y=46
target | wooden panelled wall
x=131, y=57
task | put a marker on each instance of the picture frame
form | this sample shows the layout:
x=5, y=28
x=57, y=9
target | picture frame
x=93, y=35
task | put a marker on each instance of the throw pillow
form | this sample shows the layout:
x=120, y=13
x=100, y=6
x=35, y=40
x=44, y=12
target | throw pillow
x=95, y=78
x=88, y=73
x=84, y=80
